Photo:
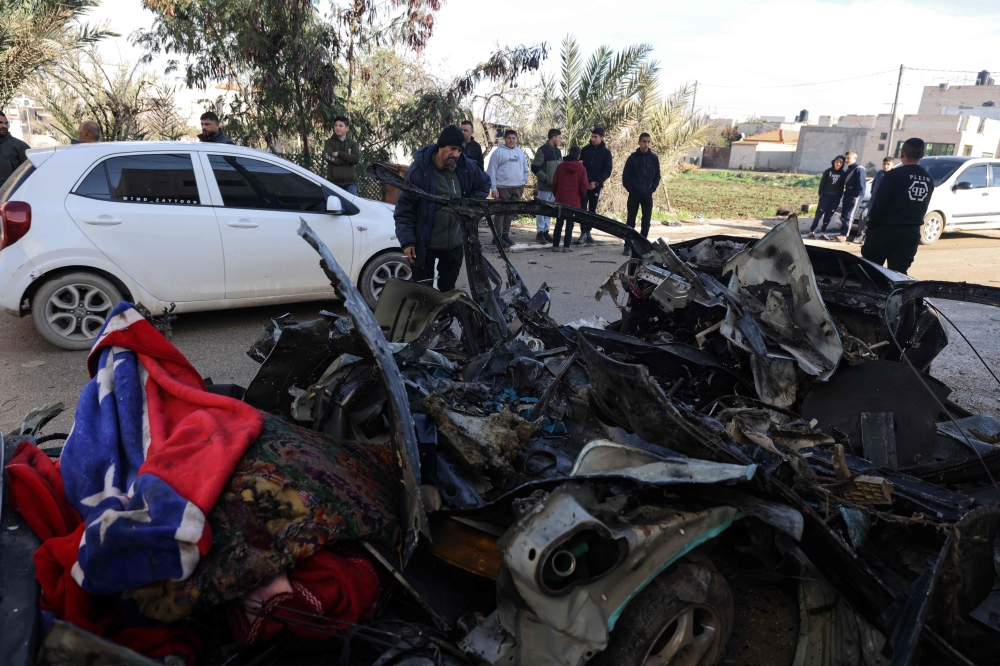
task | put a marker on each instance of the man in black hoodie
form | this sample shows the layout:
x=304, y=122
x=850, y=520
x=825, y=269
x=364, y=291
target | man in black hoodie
x=210, y=130
x=472, y=149
x=831, y=189
x=597, y=160
x=641, y=177
x=897, y=211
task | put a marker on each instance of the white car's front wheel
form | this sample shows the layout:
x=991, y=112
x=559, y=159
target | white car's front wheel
x=70, y=310
x=384, y=268
x=932, y=228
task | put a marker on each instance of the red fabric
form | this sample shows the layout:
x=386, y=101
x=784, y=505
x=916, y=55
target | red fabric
x=36, y=491
x=342, y=589
x=569, y=184
x=160, y=642
x=196, y=437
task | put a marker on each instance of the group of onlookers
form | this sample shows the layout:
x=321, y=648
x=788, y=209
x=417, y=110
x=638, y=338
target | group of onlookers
x=576, y=180
x=453, y=167
x=899, y=199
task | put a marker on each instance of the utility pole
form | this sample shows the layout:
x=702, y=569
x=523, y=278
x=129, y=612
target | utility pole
x=694, y=97
x=889, y=150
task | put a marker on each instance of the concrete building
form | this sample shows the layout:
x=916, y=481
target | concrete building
x=750, y=129
x=769, y=151
x=817, y=146
x=935, y=98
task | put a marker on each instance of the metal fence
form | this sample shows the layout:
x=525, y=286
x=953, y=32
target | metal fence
x=368, y=187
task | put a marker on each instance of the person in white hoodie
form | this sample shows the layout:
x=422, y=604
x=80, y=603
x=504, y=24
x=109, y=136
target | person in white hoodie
x=508, y=172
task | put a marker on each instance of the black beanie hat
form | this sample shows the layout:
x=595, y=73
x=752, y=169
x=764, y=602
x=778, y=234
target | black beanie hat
x=451, y=136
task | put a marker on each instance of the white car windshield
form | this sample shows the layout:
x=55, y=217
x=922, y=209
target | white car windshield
x=940, y=170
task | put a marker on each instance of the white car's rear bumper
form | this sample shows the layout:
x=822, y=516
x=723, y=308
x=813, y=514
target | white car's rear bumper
x=16, y=274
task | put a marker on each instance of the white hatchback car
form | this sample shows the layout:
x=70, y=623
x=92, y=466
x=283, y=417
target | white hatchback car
x=966, y=195
x=204, y=226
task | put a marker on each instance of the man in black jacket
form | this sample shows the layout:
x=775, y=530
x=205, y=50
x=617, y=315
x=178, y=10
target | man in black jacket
x=596, y=159
x=641, y=177
x=472, y=149
x=12, y=151
x=210, y=130
x=831, y=191
x=897, y=211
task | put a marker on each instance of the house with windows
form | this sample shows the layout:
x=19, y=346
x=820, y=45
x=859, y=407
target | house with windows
x=769, y=151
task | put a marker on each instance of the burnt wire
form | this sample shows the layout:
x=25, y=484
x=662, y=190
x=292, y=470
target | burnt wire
x=974, y=350
x=920, y=377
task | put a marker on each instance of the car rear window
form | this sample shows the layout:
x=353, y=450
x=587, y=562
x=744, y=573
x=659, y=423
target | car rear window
x=150, y=179
x=15, y=180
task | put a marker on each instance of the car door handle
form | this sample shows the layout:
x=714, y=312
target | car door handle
x=243, y=223
x=103, y=220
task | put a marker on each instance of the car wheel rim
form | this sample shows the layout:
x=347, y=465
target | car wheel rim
x=688, y=640
x=77, y=312
x=932, y=228
x=391, y=269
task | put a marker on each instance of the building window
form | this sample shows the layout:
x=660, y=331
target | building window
x=967, y=150
x=884, y=136
x=881, y=147
x=987, y=154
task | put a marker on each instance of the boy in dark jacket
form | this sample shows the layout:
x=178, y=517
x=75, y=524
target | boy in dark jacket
x=641, y=177
x=855, y=183
x=547, y=158
x=342, y=156
x=426, y=232
x=597, y=159
x=472, y=149
x=863, y=220
x=897, y=211
x=831, y=189
x=569, y=185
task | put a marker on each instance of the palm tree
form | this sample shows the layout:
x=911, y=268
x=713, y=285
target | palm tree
x=609, y=89
x=33, y=33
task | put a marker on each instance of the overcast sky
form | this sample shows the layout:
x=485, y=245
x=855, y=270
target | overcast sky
x=750, y=57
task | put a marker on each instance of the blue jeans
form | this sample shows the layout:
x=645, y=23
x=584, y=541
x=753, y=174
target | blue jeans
x=826, y=207
x=847, y=210
x=542, y=221
x=350, y=187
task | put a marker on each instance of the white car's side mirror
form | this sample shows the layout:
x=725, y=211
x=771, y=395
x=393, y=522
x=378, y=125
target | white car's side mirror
x=334, y=205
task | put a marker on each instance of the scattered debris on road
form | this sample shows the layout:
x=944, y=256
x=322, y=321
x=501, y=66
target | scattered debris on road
x=458, y=479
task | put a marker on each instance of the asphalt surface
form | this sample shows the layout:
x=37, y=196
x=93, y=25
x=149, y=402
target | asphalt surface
x=33, y=373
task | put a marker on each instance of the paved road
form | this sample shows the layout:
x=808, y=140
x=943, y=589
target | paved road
x=33, y=373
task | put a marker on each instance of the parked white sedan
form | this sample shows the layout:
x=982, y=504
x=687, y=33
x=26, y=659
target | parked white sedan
x=204, y=226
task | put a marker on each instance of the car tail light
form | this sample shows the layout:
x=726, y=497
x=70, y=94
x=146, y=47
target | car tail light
x=15, y=221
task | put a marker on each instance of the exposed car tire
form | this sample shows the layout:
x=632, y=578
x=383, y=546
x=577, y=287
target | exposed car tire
x=379, y=271
x=683, y=618
x=70, y=310
x=932, y=228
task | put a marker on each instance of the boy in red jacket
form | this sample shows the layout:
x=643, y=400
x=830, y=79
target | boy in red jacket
x=569, y=185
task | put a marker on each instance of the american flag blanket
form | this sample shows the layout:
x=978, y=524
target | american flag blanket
x=149, y=454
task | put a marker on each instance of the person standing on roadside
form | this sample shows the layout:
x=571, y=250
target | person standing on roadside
x=472, y=149
x=547, y=158
x=897, y=211
x=598, y=161
x=426, y=232
x=508, y=172
x=342, y=155
x=863, y=220
x=855, y=182
x=831, y=190
x=88, y=132
x=210, y=130
x=12, y=151
x=641, y=177
x=569, y=184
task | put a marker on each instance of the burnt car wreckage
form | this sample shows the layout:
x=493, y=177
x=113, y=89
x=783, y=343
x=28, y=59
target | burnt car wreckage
x=562, y=490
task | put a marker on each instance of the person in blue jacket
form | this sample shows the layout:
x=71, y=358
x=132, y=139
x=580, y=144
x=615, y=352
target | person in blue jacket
x=426, y=232
x=855, y=182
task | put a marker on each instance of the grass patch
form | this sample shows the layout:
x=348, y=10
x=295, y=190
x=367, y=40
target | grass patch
x=736, y=194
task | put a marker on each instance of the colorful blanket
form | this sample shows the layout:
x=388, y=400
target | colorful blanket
x=149, y=454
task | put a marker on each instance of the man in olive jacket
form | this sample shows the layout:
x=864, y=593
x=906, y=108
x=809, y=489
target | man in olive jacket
x=342, y=156
x=547, y=158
